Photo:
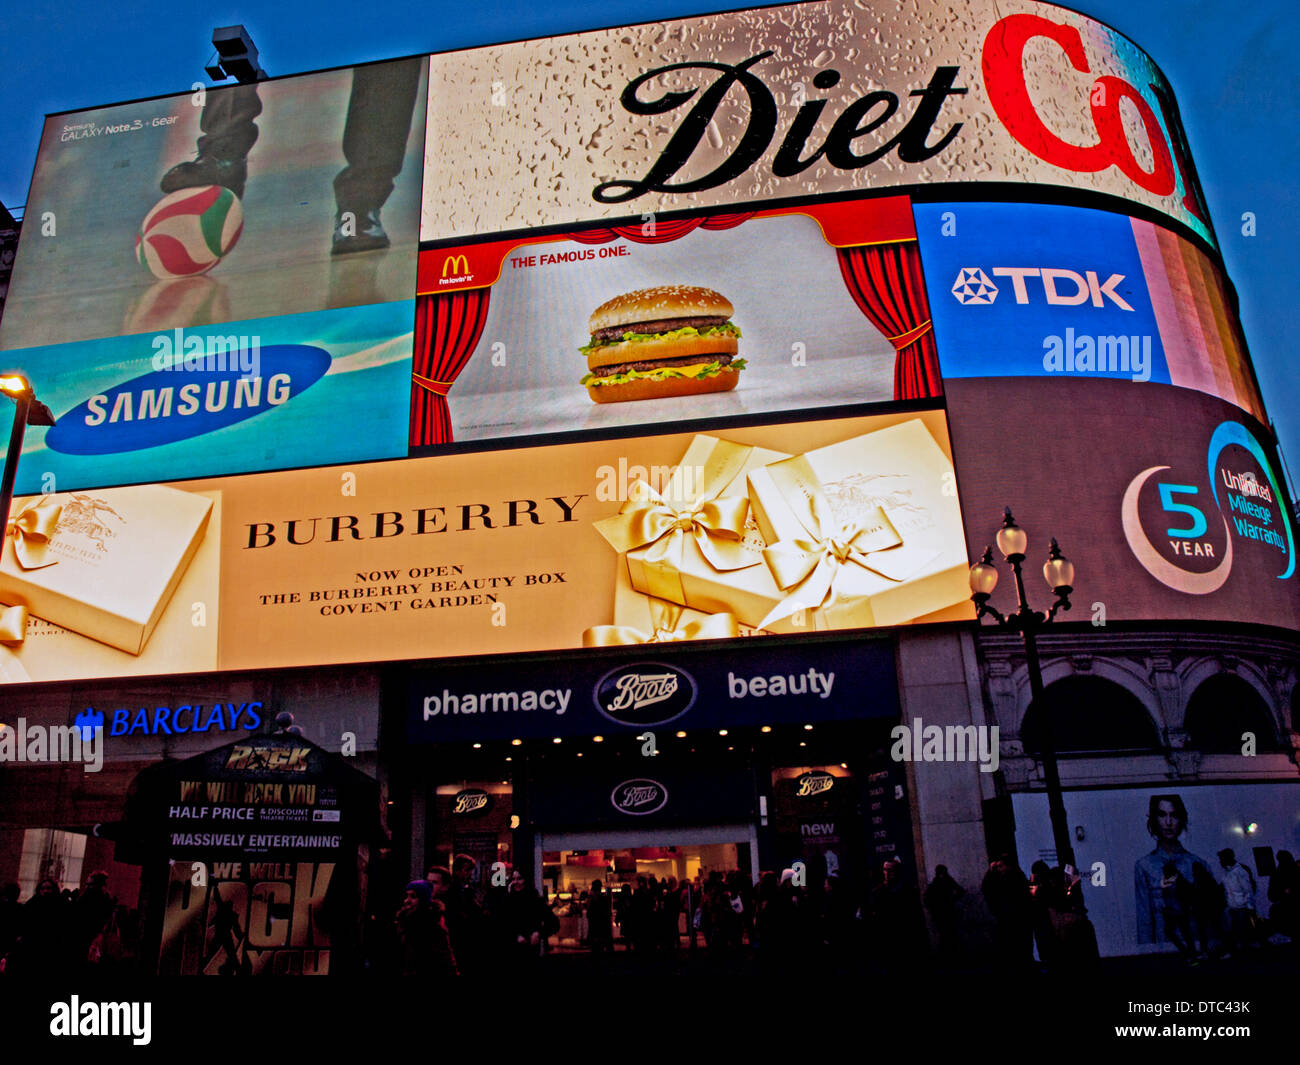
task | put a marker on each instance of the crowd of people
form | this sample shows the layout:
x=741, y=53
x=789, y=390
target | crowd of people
x=56, y=932
x=1028, y=923
x=1209, y=920
x=447, y=926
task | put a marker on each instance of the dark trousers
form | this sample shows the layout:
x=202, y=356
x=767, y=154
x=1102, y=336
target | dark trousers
x=227, y=122
x=374, y=138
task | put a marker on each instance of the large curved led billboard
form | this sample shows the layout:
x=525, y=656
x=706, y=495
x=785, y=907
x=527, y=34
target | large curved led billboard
x=794, y=101
x=1041, y=290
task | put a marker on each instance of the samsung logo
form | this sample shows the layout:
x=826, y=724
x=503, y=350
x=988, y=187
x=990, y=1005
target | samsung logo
x=638, y=797
x=645, y=693
x=178, y=403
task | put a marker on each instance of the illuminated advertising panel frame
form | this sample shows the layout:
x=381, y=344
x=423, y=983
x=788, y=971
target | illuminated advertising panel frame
x=206, y=279
x=788, y=528
x=787, y=101
x=1169, y=501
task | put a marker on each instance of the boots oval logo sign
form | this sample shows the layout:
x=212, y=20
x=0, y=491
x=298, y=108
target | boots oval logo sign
x=176, y=403
x=1188, y=537
x=644, y=693
x=639, y=796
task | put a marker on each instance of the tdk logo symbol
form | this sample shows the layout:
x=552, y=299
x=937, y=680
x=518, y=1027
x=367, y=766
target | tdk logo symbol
x=973, y=287
x=1059, y=287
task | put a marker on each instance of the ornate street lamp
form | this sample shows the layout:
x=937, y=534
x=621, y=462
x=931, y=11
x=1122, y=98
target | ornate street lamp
x=1058, y=571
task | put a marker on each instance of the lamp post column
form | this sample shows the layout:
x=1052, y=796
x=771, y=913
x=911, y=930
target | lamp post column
x=23, y=401
x=1051, y=774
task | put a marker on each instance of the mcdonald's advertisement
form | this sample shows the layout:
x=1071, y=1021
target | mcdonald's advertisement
x=836, y=524
x=1170, y=502
x=793, y=101
x=707, y=317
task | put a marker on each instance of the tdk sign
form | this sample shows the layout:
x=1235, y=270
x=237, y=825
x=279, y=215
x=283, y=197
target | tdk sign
x=1032, y=290
x=1061, y=288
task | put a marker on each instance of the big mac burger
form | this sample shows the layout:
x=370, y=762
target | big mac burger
x=674, y=340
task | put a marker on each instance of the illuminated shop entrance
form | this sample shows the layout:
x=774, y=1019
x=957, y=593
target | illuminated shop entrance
x=674, y=864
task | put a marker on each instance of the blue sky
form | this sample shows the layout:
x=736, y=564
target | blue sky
x=1231, y=66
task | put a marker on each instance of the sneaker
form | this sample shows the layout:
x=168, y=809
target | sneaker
x=207, y=170
x=366, y=233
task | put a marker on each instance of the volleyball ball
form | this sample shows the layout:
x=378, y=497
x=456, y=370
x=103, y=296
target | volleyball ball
x=189, y=231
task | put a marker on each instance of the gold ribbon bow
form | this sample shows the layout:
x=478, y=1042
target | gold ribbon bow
x=716, y=526
x=810, y=566
x=648, y=519
x=664, y=618
x=13, y=624
x=32, y=529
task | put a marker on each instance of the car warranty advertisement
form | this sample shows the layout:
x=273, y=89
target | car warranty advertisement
x=1168, y=501
x=794, y=101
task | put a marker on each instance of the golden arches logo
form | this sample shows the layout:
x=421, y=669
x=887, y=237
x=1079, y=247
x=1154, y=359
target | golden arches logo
x=455, y=266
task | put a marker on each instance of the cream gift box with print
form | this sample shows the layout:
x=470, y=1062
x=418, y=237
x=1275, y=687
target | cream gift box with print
x=863, y=533
x=104, y=562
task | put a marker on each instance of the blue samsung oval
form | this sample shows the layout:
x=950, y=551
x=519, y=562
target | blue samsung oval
x=165, y=406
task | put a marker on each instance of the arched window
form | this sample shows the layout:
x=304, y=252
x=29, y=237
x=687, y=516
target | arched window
x=1221, y=710
x=1090, y=714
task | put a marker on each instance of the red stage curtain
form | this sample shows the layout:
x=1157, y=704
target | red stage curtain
x=664, y=231
x=448, y=326
x=885, y=282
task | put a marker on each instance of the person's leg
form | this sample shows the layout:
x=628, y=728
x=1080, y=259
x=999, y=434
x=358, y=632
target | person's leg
x=228, y=134
x=374, y=145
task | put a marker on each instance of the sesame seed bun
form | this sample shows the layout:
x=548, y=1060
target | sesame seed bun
x=666, y=301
